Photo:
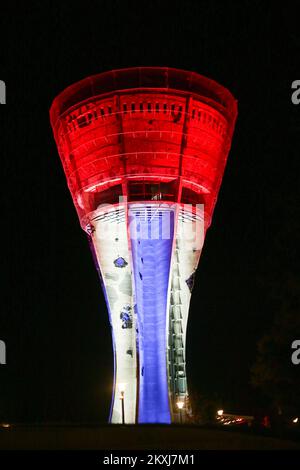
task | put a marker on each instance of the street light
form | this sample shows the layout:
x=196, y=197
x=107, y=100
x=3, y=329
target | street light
x=180, y=405
x=122, y=390
x=220, y=412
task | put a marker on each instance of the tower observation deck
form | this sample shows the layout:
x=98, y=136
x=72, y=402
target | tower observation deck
x=144, y=151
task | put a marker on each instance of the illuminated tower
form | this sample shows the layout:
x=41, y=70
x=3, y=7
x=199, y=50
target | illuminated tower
x=144, y=151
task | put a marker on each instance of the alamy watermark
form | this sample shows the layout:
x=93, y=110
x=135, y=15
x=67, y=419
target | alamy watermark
x=296, y=354
x=2, y=92
x=295, y=96
x=2, y=352
x=150, y=221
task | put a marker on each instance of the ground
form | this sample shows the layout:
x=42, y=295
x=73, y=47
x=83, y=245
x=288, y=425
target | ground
x=112, y=437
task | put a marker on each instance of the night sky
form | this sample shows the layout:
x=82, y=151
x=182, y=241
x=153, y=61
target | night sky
x=53, y=315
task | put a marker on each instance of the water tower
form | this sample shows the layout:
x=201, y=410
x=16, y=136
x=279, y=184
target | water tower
x=144, y=151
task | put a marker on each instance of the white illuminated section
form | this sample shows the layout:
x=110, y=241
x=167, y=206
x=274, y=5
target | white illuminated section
x=186, y=253
x=111, y=247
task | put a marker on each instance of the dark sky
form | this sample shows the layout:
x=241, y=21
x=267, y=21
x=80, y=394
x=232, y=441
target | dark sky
x=53, y=316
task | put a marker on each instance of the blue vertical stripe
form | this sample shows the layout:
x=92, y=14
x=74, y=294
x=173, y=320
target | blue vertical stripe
x=151, y=255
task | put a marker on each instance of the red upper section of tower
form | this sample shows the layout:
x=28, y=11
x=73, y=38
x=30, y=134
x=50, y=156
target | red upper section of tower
x=147, y=133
